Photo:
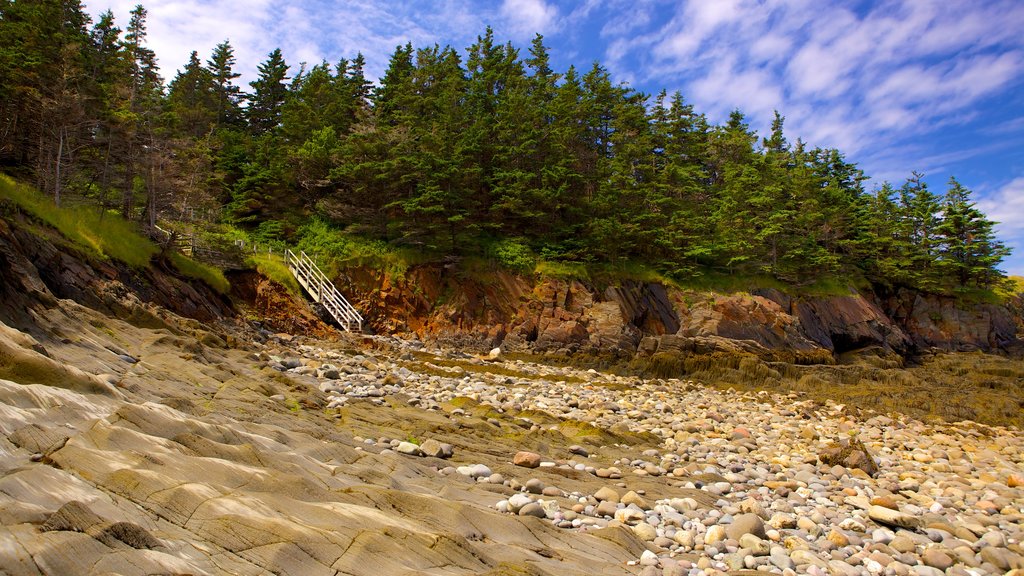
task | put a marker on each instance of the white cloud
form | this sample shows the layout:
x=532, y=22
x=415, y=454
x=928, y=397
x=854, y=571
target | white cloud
x=307, y=31
x=1006, y=206
x=862, y=78
x=529, y=17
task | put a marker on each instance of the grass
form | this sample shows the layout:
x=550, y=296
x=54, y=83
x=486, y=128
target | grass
x=562, y=270
x=702, y=280
x=273, y=267
x=1014, y=286
x=213, y=277
x=104, y=235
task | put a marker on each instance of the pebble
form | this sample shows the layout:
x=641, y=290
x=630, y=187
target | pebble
x=606, y=508
x=945, y=498
x=408, y=448
x=891, y=517
x=635, y=499
x=936, y=559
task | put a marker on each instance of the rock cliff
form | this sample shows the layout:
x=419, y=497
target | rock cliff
x=522, y=313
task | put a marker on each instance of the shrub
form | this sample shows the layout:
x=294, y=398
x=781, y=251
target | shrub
x=513, y=253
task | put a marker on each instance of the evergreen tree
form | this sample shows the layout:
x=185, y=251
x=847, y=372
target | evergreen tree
x=968, y=251
x=453, y=158
x=919, y=217
x=228, y=96
x=269, y=91
x=392, y=99
x=193, y=99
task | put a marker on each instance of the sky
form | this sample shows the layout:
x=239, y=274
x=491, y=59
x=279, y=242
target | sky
x=935, y=86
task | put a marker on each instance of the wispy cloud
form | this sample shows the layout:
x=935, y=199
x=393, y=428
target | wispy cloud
x=855, y=79
x=308, y=31
x=528, y=17
x=1006, y=206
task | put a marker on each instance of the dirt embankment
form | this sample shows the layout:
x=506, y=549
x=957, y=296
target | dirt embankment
x=551, y=315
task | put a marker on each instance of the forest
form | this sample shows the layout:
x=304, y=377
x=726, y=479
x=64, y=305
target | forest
x=483, y=152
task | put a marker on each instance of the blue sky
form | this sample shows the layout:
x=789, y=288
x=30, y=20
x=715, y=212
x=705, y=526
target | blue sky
x=935, y=86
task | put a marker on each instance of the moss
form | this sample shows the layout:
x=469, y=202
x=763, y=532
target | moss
x=947, y=387
x=578, y=429
x=463, y=402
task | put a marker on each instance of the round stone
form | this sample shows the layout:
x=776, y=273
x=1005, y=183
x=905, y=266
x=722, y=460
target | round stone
x=526, y=459
x=606, y=494
x=936, y=558
x=748, y=523
x=532, y=509
x=716, y=533
x=534, y=486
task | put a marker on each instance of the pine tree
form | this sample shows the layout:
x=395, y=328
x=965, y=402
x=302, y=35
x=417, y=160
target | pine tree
x=919, y=211
x=268, y=96
x=193, y=99
x=968, y=251
x=228, y=96
x=392, y=99
x=733, y=175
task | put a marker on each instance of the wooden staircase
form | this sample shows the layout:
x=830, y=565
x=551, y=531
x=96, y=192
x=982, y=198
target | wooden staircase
x=322, y=290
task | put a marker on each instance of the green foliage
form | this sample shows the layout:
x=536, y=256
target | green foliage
x=1013, y=286
x=336, y=248
x=272, y=266
x=560, y=269
x=102, y=234
x=213, y=277
x=513, y=254
x=478, y=154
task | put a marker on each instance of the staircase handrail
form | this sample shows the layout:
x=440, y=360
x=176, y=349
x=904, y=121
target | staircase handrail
x=322, y=289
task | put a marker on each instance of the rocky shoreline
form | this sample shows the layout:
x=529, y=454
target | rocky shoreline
x=137, y=441
x=189, y=452
x=747, y=482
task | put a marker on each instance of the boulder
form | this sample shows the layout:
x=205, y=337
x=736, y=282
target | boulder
x=745, y=524
x=526, y=459
x=849, y=453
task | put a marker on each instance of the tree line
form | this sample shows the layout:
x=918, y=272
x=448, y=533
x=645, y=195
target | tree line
x=457, y=154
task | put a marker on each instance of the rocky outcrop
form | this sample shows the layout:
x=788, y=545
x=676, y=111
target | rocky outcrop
x=936, y=322
x=550, y=315
x=278, y=310
x=36, y=270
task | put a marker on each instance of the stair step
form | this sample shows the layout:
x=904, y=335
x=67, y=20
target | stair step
x=322, y=290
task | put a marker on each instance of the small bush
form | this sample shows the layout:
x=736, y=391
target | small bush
x=513, y=253
x=336, y=247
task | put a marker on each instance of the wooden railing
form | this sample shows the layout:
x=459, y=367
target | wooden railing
x=184, y=243
x=322, y=290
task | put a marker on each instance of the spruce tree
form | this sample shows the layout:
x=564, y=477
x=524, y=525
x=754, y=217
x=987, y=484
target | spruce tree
x=269, y=91
x=228, y=96
x=968, y=251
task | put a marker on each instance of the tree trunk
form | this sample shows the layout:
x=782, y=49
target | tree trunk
x=60, y=155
